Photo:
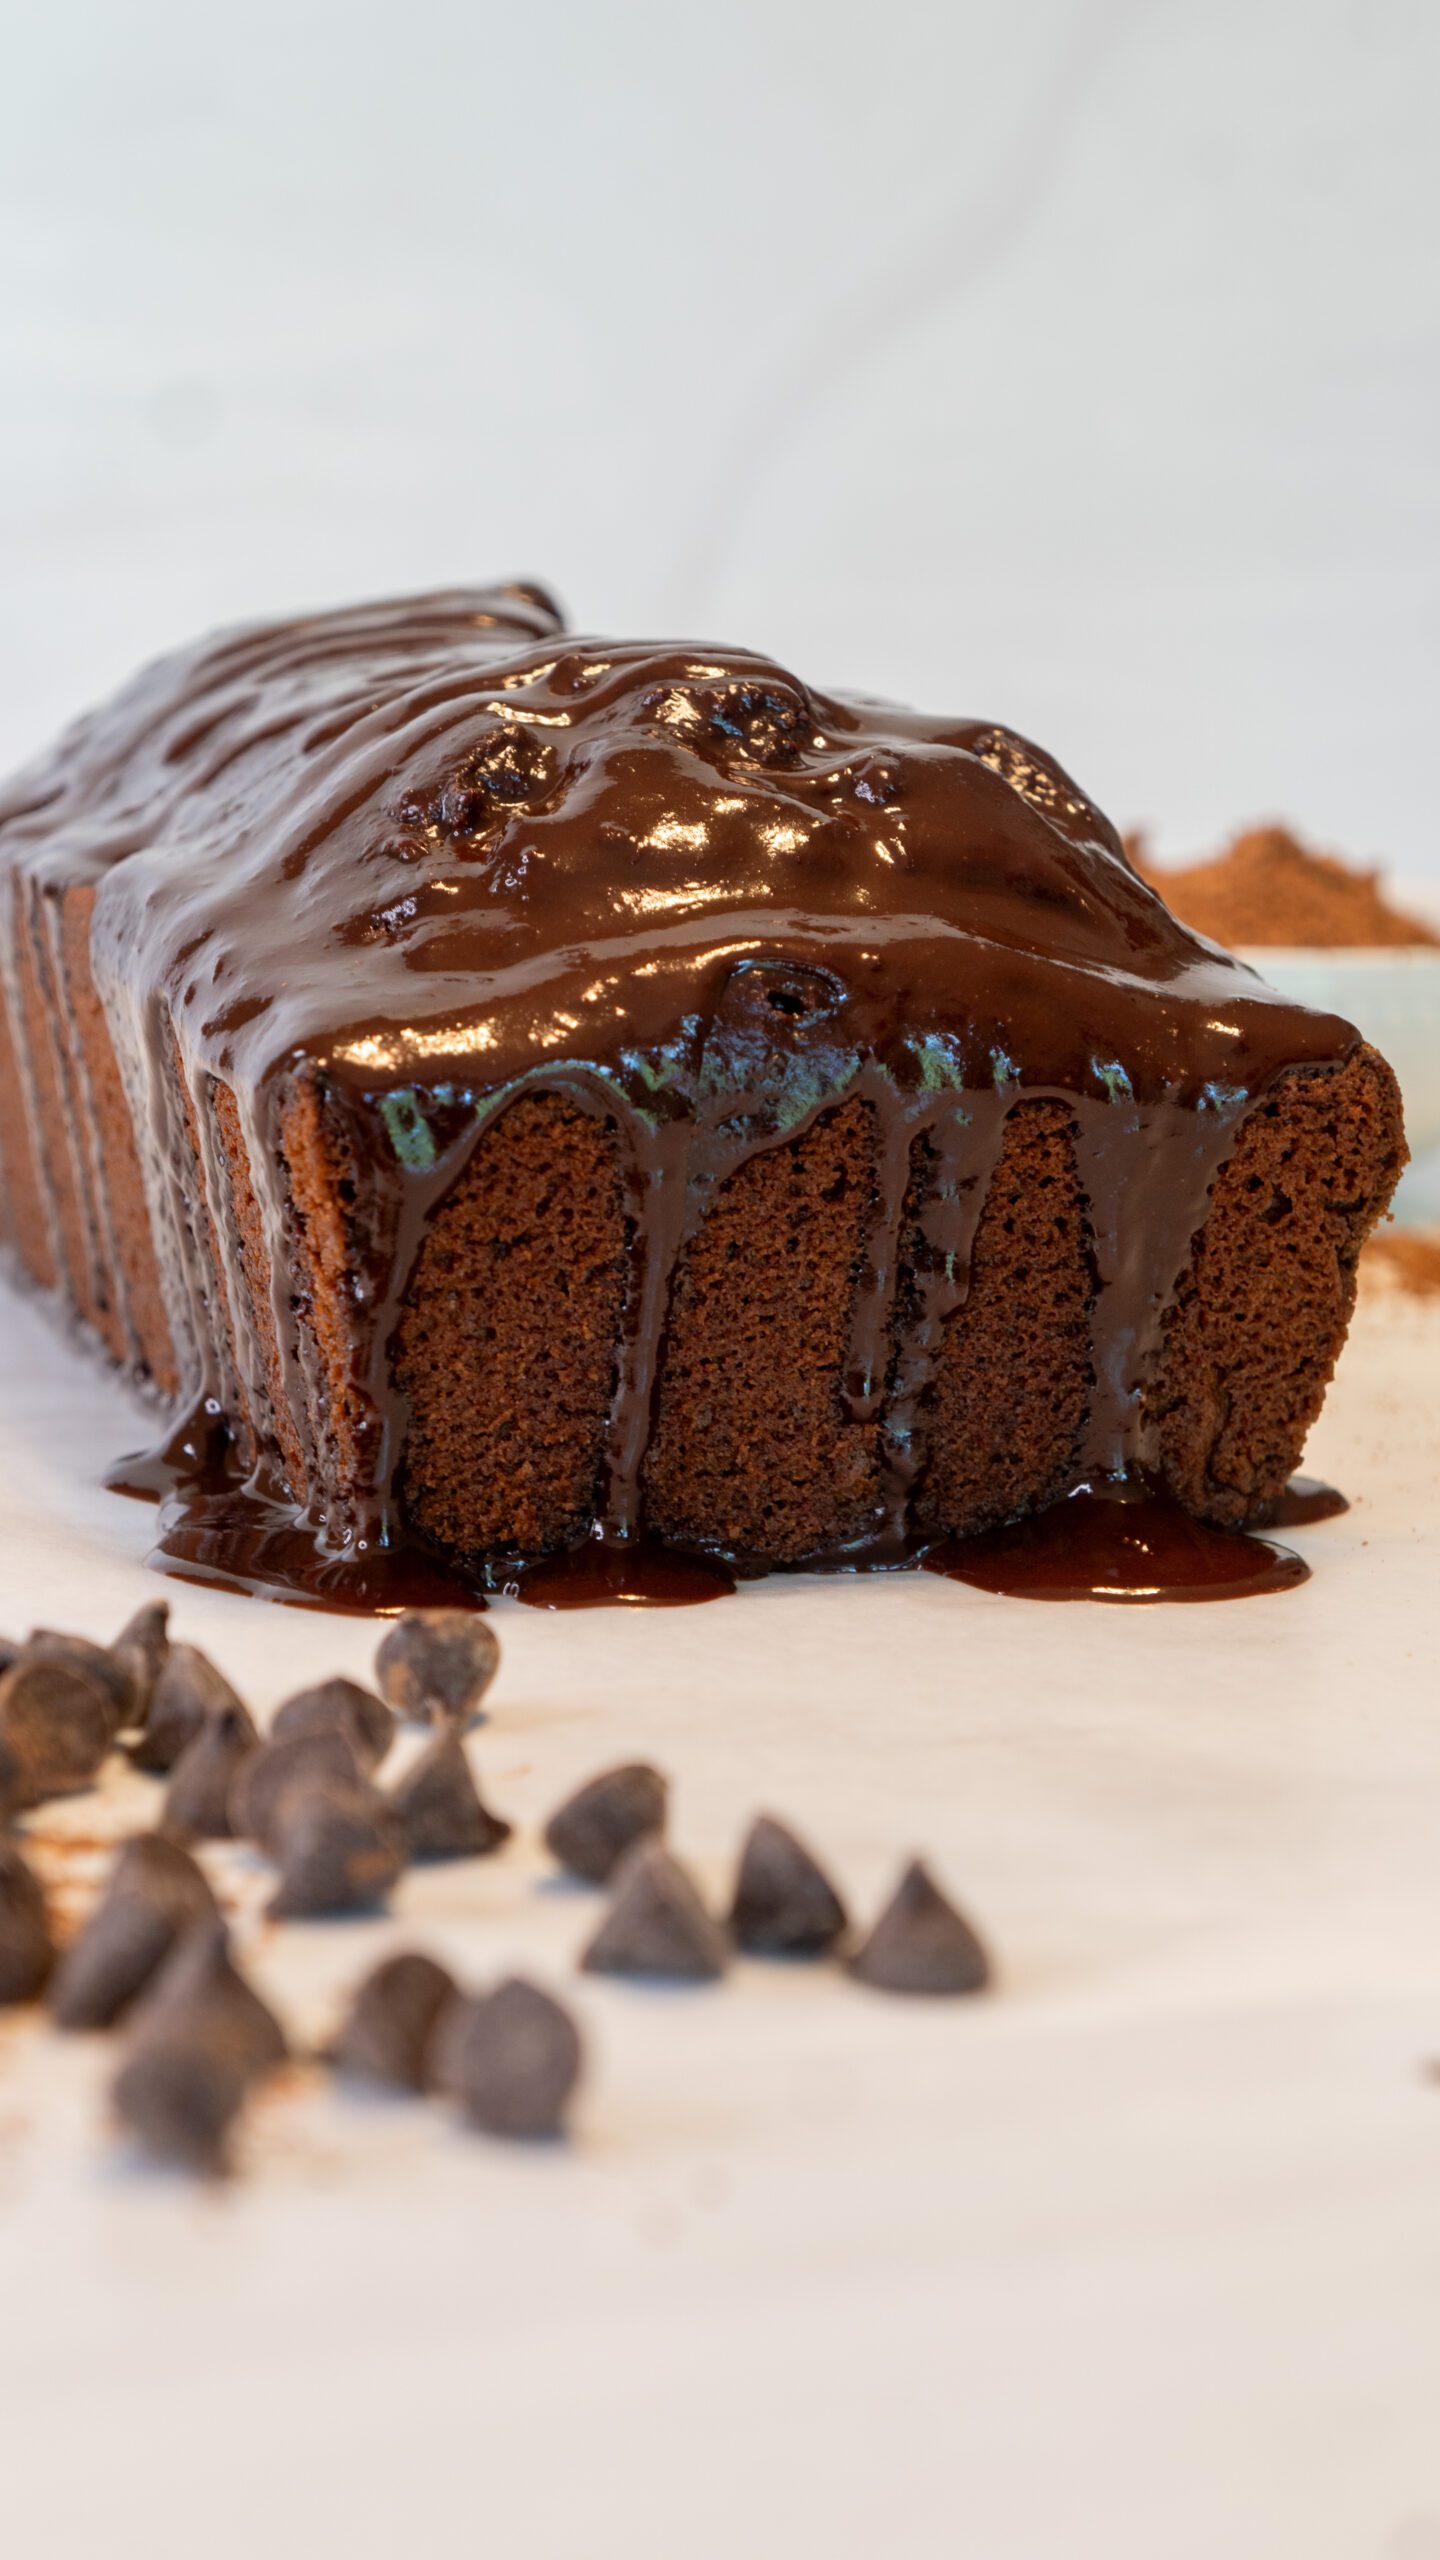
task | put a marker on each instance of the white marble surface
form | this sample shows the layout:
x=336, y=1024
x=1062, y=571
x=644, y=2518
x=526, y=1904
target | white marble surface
x=1139, y=2259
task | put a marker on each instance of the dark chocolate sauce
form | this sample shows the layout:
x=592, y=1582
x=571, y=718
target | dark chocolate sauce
x=239, y=1532
x=228, y=1552
x=195, y=1452
x=420, y=858
x=273, y=1560
x=1122, y=1544
x=1304, y=1501
x=634, y=1573
x=144, y=1476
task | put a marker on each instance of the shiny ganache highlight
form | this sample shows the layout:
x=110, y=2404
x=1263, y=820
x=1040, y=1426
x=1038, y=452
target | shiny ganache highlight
x=344, y=892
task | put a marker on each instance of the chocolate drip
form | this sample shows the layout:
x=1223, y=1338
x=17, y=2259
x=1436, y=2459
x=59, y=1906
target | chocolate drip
x=660, y=1190
x=962, y=1147
x=419, y=860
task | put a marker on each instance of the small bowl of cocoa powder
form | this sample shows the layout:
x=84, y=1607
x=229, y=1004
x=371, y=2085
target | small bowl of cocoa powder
x=1327, y=934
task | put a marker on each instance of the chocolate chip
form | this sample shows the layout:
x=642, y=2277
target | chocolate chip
x=512, y=2058
x=784, y=1902
x=391, y=2027
x=200, y=2038
x=339, y=1706
x=27, y=1950
x=56, y=1720
x=9, y=1652
x=197, y=1800
x=921, y=1942
x=435, y=1665
x=13, y=1786
x=438, y=1806
x=190, y=1688
x=141, y=1649
x=96, y=1659
x=339, y=1849
x=179, y=2096
x=265, y=1784
x=591, y=1831
x=509, y=766
x=656, y=1923
x=200, y=1992
x=155, y=1893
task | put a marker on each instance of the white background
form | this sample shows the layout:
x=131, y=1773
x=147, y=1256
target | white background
x=1072, y=361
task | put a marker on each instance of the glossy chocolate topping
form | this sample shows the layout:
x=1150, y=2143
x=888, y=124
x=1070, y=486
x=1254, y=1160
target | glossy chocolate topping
x=437, y=852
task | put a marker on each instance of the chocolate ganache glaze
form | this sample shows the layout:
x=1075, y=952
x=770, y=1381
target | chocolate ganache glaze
x=440, y=853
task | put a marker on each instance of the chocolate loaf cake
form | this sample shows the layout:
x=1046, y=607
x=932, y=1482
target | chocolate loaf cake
x=502, y=1090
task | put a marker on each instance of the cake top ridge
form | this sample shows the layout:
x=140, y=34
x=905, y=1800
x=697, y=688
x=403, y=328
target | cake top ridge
x=444, y=835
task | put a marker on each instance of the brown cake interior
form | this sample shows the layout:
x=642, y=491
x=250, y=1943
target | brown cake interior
x=753, y=1449
x=506, y=1349
x=505, y=1354
x=1012, y=1379
x=1252, y=1338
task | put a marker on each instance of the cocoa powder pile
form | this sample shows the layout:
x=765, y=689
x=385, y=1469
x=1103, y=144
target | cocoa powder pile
x=1406, y=1258
x=1268, y=888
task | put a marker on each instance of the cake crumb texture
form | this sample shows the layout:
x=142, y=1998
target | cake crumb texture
x=1257, y=1323
x=753, y=1450
x=506, y=1349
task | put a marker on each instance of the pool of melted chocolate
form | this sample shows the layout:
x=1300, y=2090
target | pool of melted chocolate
x=633, y=1573
x=1115, y=1541
x=1118, y=1543
x=1304, y=1502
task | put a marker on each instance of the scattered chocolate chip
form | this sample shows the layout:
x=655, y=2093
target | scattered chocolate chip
x=56, y=1721
x=13, y=1789
x=141, y=1649
x=9, y=1652
x=197, y=1800
x=200, y=2038
x=264, y=1785
x=339, y=1849
x=27, y=1950
x=435, y=1665
x=339, y=1706
x=179, y=2095
x=96, y=1659
x=512, y=2058
x=155, y=1893
x=921, y=1942
x=657, y=1923
x=438, y=1805
x=391, y=2027
x=199, y=1991
x=591, y=1831
x=190, y=1688
x=784, y=1902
